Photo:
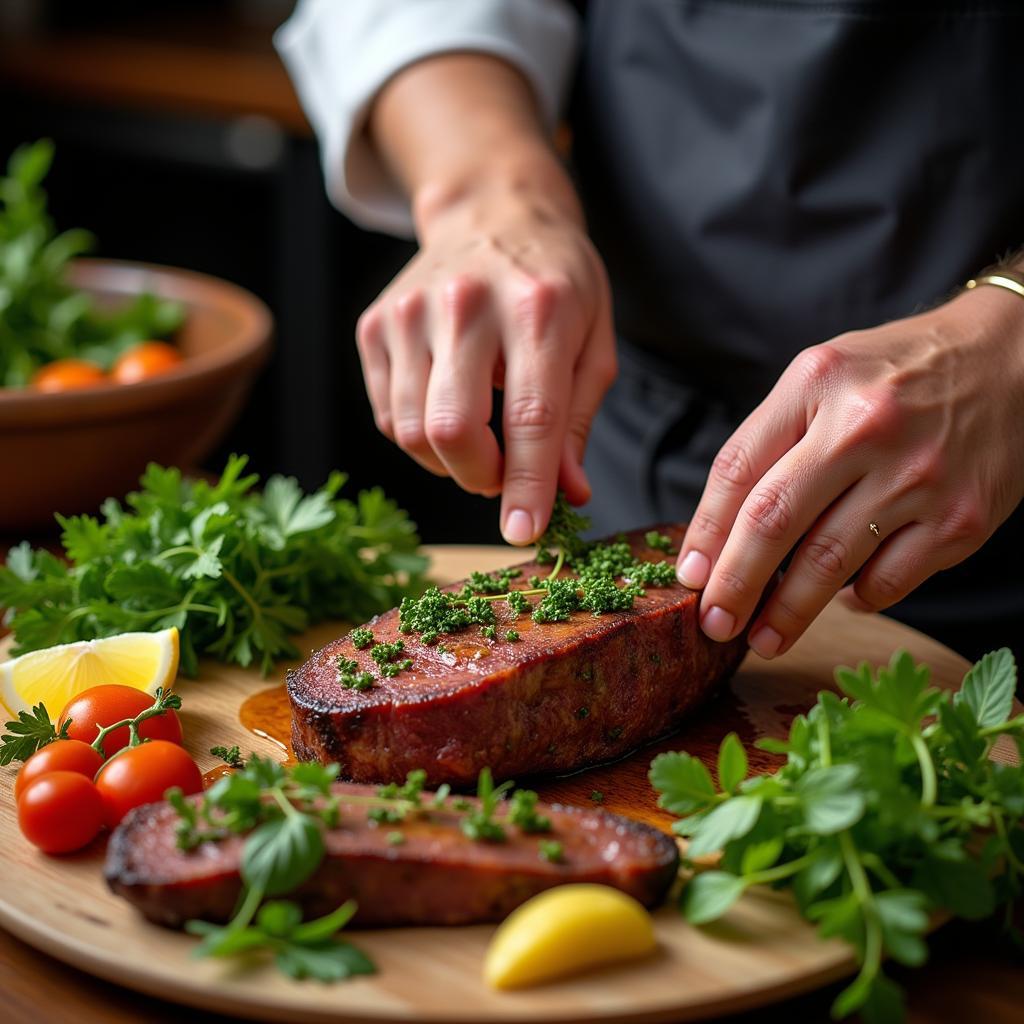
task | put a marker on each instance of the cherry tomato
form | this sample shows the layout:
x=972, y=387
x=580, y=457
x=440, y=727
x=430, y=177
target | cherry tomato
x=67, y=375
x=141, y=775
x=59, y=756
x=104, y=705
x=60, y=812
x=145, y=360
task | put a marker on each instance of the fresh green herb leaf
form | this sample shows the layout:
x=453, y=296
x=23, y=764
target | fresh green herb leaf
x=238, y=572
x=880, y=816
x=231, y=756
x=658, y=541
x=551, y=850
x=32, y=731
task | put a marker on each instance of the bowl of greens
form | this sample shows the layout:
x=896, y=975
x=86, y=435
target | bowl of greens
x=106, y=365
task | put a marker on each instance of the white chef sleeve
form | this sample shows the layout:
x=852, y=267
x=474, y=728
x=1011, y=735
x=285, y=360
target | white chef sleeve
x=340, y=53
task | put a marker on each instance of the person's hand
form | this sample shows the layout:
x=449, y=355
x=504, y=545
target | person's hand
x=506, y=292
x=889, y=453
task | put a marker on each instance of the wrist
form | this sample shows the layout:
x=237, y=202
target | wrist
x=528, y=177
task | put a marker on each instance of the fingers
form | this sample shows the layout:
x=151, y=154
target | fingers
x=537, y=388
x=834, y=549
x=594, y=374
x=915, y=553
x=373, y=355
x=459, y=394
x=409, y=352
x=778, y=511
x=762, y=439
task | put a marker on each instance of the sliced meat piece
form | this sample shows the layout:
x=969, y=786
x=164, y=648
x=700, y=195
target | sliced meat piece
x=437, y=876
x=566, y=696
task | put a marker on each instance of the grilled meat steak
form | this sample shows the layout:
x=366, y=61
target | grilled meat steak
x=437, y=876
x=565, y=696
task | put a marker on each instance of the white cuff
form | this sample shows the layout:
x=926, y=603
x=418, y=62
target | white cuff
x=340, y=53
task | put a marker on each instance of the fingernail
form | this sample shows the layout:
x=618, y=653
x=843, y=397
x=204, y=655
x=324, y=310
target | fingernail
x=718, y=623
x=765, y=642
x=518, y=527
x=694, y=570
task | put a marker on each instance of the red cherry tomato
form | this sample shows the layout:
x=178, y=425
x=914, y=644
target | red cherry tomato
x=148, y=359
x=105, y=705
x=60, y=812
x=59, y=756
x=67, y=375
x=141, y=775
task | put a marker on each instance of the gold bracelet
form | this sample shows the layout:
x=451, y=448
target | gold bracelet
x=1008, y=279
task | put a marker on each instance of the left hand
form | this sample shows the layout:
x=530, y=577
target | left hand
x=914, y=429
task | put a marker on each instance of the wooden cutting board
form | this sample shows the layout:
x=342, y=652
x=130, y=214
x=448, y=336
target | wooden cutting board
x=761, y=951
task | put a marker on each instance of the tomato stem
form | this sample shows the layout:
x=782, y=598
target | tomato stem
x=163, y=701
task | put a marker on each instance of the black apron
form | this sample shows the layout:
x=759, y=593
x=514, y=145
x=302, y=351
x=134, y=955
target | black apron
x=762, y=176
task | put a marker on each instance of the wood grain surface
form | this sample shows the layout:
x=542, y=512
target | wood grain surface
x=761, y=952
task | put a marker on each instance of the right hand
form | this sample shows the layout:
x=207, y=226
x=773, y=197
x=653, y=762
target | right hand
x=508, y=292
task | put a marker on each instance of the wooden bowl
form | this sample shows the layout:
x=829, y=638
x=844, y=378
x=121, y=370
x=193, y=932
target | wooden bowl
x=66, y=452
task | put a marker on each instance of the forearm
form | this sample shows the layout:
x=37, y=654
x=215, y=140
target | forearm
x=465, y=127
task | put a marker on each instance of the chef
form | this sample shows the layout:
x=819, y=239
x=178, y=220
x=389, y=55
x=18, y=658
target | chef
x=804, y=216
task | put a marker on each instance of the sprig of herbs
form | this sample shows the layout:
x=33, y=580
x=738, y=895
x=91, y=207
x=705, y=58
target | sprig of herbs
x=285, y=812
x=237, y=571
x=479, y=823
x=231, y=756
x=888, y=808
x=32, y=731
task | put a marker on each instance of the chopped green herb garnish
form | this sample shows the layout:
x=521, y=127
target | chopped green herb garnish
x=512, y=636
x=395, y=839
x=361, y=638
x=551, y=850
x=516, y=602
x=350, y=676
x=231, y=756
x=597, y=796
x=658, y=541
x=479, y=823
x=488, y=632
x=522, y=812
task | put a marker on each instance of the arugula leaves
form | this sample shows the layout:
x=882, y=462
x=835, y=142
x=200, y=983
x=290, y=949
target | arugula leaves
x=238, y=572
x=41, y=317
x=887, y=809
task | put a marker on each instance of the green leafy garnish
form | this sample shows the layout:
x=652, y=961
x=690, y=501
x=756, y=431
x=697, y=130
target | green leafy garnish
x=350, y=676
x=551, y=850
x=32, y=731
x=479, y=823
x=236, y=571
x=283, y=812
x=231, y=756
x=42, y=318
x=887, y=810
x=361, y=638
x=658, y=541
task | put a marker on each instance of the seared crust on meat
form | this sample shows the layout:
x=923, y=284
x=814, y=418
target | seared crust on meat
x=437, y=876
x=567, y=695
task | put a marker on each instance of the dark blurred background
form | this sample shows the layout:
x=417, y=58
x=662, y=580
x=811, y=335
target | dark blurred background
x=180, y=140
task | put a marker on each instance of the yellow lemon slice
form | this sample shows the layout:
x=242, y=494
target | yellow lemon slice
x=54, y=675
x=565, y=930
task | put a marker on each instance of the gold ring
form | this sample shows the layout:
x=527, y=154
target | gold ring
x=873, y=527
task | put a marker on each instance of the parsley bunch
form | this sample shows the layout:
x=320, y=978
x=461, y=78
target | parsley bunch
x=237, y=571
x=284, y=811
x=41, y=317
x=888, y=809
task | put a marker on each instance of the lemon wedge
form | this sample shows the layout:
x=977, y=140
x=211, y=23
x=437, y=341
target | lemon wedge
x=54, y=675
x=566, y=930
